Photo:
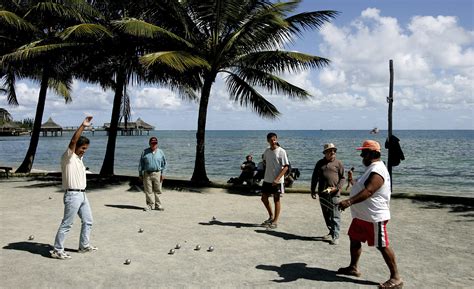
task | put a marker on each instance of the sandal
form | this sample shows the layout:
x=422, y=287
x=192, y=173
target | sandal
x=390, y=284
x=348, y=271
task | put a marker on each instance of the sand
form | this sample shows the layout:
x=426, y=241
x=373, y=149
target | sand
x=432, y=242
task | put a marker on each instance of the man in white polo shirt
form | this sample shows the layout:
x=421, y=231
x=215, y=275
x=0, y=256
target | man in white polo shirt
x=75, y=199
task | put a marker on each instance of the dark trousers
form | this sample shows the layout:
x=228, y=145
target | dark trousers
x=332, y=215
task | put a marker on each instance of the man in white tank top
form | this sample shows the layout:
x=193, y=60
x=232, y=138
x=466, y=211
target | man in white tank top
x=369, y=202
x=75, y=199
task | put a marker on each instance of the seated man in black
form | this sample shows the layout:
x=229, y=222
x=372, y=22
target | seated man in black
x=248, y=170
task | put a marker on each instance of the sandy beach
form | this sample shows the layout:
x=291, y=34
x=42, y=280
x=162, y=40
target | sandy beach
x=431, y=241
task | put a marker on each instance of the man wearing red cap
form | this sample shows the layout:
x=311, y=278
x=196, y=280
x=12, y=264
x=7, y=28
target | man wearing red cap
x=369, y=202
x=150, y=170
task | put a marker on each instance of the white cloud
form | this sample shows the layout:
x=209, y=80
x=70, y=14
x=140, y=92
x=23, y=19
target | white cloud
x=433, y=61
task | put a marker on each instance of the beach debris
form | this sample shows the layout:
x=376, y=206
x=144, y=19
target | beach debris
x=171, y=252
x=127, y=262
x=198, y=247
x=210, y=249
x=31, y=237
x=140, y=230
x=178, y=246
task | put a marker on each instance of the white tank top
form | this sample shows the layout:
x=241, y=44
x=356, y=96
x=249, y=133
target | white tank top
x=377, y=207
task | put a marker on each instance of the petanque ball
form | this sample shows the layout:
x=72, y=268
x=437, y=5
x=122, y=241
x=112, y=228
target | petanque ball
x=198, y=247
x=210, y=249
x=140, y=230
x=31, y=237
x=171, y=252
x=127, y=262
x=178, y=246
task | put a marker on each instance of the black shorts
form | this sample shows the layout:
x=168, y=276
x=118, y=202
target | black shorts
x=270, y=189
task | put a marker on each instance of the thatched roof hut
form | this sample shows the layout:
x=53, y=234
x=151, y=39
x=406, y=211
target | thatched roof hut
x=51, y=126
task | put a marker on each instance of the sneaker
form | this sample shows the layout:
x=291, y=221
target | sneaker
x=159, y=208
x=272, y=226
x=334, y=242
x=59, y=255
x=88, y=249
x=147, y=209
x=328, y=237
x=267, y=222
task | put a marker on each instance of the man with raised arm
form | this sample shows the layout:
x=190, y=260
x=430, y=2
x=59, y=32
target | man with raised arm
x=74, y=184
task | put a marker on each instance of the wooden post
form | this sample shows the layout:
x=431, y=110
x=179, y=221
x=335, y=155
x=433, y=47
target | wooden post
x=390, y=102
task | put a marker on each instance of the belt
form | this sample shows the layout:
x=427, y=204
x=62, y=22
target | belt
x=153, y=171
x=75, y=190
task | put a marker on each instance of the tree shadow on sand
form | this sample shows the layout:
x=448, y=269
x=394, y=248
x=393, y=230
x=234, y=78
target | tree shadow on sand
x=34, y=248
x=288, y=236
x=294, y=271
x=129, y=207
x=230, y=224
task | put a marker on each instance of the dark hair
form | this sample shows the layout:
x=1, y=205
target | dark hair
x=271, y=134
x=82, y=141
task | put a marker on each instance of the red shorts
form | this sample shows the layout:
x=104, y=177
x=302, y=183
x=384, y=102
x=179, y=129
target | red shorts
x=374, y=233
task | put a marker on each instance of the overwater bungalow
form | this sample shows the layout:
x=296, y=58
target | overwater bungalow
x=51, y=126
x=138, y=127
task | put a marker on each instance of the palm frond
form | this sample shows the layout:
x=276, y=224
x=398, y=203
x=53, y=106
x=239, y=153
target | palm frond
x=140, y=28
x=282, y=61
x=31, y=51
x=272, y=83
x=244, y=94
x=8, y=85
x=73, y=10
x=85, y=31
x=177, y=60
x=61, y=88
x=8, y=18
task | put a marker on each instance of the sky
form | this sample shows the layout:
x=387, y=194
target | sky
x=431, y=43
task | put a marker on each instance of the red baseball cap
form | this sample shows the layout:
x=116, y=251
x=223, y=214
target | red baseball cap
x=370, y=145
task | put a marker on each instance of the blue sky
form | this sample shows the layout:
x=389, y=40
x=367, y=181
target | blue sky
x=430, y=42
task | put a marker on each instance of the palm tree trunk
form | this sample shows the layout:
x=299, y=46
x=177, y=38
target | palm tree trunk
x=109, y=159
x=27, y=164
x=199, y=174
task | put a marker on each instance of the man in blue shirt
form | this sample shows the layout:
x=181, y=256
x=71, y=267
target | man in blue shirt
x=150, y=170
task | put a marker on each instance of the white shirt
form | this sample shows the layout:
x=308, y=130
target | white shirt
x=274, y=160
x=377, y=207
x=73, y=171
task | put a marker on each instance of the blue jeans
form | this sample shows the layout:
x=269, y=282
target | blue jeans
x=74, y=203
x=331, y=213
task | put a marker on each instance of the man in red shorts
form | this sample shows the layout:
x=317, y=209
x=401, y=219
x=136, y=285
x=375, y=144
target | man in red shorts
x=369, y=202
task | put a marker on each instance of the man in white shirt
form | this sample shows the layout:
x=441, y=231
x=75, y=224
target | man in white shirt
x=75, y=199
x=369, y=202
x=276, y=165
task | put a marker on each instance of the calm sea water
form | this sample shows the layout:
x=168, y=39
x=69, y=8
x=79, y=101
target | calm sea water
x=436, y=162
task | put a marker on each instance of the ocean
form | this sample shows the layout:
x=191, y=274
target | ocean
x=437, y=162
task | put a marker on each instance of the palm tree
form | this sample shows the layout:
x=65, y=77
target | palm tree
x=242, y=39
x=117, y=66
x=46, y=58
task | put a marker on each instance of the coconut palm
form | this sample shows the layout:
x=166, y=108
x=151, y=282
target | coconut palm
x=242, y=39
x=45, y=58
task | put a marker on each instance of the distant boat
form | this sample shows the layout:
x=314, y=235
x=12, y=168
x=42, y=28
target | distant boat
x=374, y=131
